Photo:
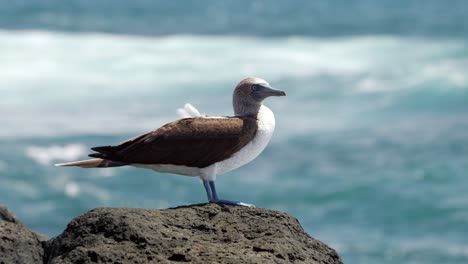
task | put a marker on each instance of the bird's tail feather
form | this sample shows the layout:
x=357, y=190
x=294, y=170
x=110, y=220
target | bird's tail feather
x=104, y=149
x=93, y=163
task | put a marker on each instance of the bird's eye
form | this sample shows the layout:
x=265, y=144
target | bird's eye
x=255, y=87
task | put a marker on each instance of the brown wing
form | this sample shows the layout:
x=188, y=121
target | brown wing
x=194, y=142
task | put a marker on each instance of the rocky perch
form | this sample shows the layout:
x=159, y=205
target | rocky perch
x=208, y=233
x=17, y=243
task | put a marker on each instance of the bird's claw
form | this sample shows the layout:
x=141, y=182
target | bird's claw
x=246, y=204
x=233, y=203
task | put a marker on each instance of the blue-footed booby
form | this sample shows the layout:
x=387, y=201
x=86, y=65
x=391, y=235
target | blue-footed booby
x=202, y=146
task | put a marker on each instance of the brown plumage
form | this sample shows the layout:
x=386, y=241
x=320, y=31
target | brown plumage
x=193, y=142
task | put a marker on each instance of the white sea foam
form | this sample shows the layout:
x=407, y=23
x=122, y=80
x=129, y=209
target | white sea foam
x=106, y=172
x=99, y=193
x=72, y=189
x=46, y=155
x=63, y=83
x=432, y=244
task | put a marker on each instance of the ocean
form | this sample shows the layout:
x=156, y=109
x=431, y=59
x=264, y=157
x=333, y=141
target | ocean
x=370, y=151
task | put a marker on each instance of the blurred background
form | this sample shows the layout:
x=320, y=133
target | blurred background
x=371, y=145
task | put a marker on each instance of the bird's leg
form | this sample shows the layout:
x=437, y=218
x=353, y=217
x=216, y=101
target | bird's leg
x=214, y=194
x=215, y=198
x=208, y=190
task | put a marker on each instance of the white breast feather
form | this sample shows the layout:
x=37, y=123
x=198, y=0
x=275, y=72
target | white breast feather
x=266, y=126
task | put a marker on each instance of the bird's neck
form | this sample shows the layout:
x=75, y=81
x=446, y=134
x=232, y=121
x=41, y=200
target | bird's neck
x=246, y=109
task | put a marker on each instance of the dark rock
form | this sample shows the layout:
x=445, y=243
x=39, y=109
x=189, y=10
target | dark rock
x=17, y=243
x=198, y=234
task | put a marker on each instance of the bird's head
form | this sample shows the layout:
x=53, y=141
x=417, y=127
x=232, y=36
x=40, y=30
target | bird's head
x=250, y=93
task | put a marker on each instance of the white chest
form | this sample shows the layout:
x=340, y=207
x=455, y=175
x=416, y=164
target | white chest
x=266, y=126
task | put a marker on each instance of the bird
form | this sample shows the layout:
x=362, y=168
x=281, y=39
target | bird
x=199, y=145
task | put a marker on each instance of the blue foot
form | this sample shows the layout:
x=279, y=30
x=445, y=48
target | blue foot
x=213, y=196
x=232, y=203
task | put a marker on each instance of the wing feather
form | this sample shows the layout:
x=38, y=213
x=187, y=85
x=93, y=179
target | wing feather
x=194, y=142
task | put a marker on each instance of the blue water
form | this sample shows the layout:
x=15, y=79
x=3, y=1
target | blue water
x=371, y=146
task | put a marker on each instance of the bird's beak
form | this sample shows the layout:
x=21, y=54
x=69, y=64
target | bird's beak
x=267, y=91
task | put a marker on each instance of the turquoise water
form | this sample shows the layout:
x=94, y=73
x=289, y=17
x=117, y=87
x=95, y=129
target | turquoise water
x=369, y=153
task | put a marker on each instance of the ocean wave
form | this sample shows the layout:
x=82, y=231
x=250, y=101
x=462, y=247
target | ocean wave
x=37, y=209
x=436, y=246
x=272, y=18
x=47, y=155
x=152, y=63
x=65, y=83
x=25, y=188
x=73, y=188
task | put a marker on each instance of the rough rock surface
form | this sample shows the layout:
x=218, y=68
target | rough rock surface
x=198, y=234
x=17, y=243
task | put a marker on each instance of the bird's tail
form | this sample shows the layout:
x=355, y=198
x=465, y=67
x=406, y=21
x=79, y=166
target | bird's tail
x=93, y=163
